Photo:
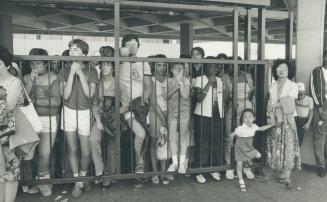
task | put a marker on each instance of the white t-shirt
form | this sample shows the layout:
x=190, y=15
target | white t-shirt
x=324, y=71
x=246, y=131
x=204, y=108
x=132, y=80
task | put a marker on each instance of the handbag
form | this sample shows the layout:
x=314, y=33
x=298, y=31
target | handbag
x=29, y=111
x=25, y=139
x=163, y=153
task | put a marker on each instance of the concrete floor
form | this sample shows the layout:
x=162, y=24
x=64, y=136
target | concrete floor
x=182, y=189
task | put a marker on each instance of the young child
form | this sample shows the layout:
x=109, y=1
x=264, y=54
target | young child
x=43, y=89
x=304, y=111
x=79, y=84
x=178, y=96
x=244, y=150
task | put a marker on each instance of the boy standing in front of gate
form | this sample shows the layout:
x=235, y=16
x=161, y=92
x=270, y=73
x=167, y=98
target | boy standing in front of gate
x=79, y=82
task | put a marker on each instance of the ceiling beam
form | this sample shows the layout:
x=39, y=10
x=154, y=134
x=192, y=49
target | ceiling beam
x=210, y=24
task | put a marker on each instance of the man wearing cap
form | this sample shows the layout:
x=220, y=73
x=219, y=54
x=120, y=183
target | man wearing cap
x=304, y=110
x=318, y=91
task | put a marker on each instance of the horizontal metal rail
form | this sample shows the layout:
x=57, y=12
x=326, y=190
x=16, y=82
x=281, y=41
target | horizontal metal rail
x=129, y=59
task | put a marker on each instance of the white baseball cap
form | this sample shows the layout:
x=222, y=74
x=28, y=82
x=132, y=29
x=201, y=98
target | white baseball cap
x=301, y=86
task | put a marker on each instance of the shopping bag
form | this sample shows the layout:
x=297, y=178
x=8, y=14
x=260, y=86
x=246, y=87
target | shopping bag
x=25, y=139
x=163, y=152
x=29, y=111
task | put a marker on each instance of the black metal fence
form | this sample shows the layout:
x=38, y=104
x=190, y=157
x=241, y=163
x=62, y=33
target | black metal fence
x=169, y=109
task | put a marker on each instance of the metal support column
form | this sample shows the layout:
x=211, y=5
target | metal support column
x=186, y=38
x=117, y=89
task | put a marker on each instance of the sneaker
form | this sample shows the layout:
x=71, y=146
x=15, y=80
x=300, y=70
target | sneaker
x=248, y=173
x=182, y=169
x=25, y=189
x=200, y=179
x=165, y=180
x=215, y=176
x=77, y=191
x=139, y=169
x=172, y=167
x=170, y=177
x=155, y=180
x=34, y=190
x=138, y=183
x=230, y=174
x=45, y=190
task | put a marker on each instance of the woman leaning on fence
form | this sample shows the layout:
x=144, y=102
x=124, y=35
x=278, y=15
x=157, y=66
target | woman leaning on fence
x=104, y=125
x=283, y=144
x=12, y=94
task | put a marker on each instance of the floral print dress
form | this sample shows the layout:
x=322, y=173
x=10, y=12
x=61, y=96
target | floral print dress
x=282, y=144
x=11, y=171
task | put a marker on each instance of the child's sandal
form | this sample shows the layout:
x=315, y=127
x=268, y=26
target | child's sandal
x=242, y=186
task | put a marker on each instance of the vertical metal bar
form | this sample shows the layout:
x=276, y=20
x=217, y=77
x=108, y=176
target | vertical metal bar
x=289, y=37
x=117, y=89
x=235, y=74
x=262, y=76
x=51, y=166
x=90, y=110
x=201, y=121
x=131, y=118
x=247, y=35
x=63, y=118
x=261, y=33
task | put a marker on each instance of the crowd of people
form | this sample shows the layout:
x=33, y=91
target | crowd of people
x=179, y=115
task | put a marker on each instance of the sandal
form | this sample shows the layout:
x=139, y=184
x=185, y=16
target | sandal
x=242, y=185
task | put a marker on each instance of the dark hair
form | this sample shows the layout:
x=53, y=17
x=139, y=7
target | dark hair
x=65, y=53
x=153, y=64
x=104, y=51
x=40, y=51
x=206, y=65
x=222, y=56
x=130, y=37
x=80, y=44
x=113, y=66
x=279, y=62
x=243, y=112
x=5, y=56
x=201, y=51
x=186, y=56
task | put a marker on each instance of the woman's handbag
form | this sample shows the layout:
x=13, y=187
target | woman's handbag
x=163, y=153
x=29, y=111
x=25, y=139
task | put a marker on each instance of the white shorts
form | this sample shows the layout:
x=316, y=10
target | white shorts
x=47, y=122
x=69, y=122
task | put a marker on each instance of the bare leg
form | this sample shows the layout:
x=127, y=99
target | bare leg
x=11, y=191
